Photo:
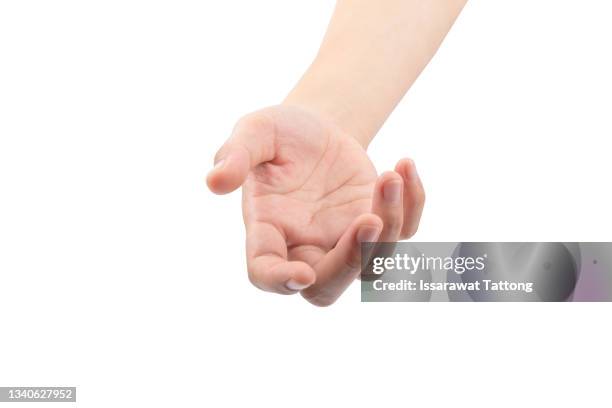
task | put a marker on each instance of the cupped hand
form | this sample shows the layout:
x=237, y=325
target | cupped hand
x=310, y=196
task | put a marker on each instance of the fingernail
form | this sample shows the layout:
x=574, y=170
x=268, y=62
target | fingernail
x=368, y=234
x=392, y=191
x=218, y=165
x=411, y=171
x=293, y=285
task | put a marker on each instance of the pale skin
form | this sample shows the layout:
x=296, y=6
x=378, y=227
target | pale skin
x=310, y=193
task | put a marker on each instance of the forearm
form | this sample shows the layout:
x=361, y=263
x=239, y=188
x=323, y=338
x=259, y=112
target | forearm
x=371, y=54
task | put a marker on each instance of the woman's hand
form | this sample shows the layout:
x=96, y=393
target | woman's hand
x=310, y=197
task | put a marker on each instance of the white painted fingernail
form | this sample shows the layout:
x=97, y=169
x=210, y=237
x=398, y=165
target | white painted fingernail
x=293, y=285
x=368, y=233
x=392, y=191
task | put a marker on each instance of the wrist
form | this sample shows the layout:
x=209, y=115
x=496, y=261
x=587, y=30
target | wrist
x=331, y=96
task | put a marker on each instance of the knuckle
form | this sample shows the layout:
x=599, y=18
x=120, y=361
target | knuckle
x=256, y=122
x=395, y=220
x=320, y=301
x=392, y=230
x=353, y=260
x=392, y=225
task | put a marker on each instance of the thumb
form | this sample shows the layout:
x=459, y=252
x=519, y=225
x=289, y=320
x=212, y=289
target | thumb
x=251, y=143
x=340, y=266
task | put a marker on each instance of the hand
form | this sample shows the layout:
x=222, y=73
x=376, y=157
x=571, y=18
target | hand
x=310, y=197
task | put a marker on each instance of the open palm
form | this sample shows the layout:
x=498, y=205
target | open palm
x=310, y=196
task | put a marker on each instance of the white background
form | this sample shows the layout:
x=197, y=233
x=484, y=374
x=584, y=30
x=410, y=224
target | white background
x=122, y=275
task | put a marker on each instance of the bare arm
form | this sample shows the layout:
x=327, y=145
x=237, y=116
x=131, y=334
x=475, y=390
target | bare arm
x=372, y=53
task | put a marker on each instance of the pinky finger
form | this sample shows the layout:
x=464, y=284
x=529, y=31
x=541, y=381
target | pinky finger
x=414, y=197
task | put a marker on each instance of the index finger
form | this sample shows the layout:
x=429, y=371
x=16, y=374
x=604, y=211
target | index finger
x=267, y=262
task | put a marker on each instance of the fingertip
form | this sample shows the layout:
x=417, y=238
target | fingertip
x=369, y=227
x=229, y=173
x=388, y=176
x=274, y=274
x=406, y=161
x=214, y=178
x=407, y=169
x=301, y=276
x=369, y=219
